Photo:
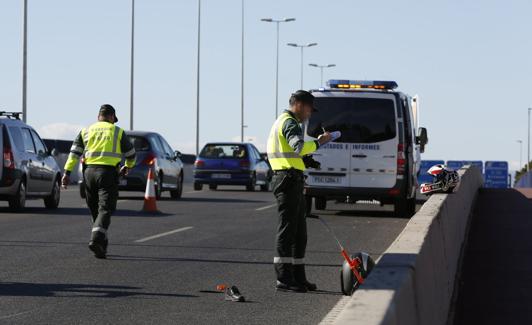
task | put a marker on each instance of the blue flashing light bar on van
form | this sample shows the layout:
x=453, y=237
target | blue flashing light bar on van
x=362, y=84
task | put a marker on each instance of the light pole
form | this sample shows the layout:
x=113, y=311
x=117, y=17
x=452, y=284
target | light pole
x=24, y=58
x=132, y=64
x=321, y=70
x=520, y=153
x=528, y=155
x=277, y=22
x=242, y=81
x=302, y=46
x=198, y=81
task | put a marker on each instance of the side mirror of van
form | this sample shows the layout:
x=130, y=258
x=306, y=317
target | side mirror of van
x=177, y=154
x=54, y=152
x=422, y=139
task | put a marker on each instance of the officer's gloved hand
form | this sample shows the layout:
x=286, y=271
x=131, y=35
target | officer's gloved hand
x=311, y=162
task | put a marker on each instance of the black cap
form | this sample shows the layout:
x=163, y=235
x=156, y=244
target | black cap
x=107, y=110
x=304, y=97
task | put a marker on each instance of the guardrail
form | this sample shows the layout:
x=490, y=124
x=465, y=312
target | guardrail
x=413, y=282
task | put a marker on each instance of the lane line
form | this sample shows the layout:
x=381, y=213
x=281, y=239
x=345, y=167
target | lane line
x=266, y=207
x=163, y=234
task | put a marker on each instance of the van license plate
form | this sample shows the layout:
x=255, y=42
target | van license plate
x=326, y=179
x=221, y=176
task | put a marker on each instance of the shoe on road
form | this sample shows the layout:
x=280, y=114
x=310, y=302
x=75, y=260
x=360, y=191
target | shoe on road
x=233, y=294
x=98, y=249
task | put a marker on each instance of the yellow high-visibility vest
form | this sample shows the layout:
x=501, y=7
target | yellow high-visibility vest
x=102, y=144
x=280, y=154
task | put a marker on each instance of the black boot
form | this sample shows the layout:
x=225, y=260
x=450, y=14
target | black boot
x=285, y=279
x=98, y=245
x=301, y=278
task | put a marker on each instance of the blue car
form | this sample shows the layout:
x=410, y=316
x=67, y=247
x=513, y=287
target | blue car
x=231, y=164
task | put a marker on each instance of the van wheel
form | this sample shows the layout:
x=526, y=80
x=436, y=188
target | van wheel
x=308, y=205
x=18, y=202
x=198, y=187
x=52, y=201
x=213, y=187
x=178, y=192
x=404, y=208
x=320, y=203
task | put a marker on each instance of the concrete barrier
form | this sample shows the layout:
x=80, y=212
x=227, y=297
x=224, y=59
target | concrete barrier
x=413, y=281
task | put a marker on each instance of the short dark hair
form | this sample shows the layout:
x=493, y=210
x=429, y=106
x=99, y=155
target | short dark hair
x=301, y=96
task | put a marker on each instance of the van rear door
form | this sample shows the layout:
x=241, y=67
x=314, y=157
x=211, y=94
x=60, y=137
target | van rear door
x=370, y=136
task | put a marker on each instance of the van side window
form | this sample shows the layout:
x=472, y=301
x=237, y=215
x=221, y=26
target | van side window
x=16, y=136
x=41, y=148
x=28, y=142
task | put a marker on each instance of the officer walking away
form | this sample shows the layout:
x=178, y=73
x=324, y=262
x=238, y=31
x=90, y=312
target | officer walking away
x=286, y=149
x=103, y=145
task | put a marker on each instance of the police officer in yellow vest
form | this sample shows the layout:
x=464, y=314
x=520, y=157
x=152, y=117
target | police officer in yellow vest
x=286, y=149
x=103, y=145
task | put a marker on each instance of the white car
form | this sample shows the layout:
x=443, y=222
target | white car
x=378, y=154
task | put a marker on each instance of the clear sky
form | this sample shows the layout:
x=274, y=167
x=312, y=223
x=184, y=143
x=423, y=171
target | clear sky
x=469, y=61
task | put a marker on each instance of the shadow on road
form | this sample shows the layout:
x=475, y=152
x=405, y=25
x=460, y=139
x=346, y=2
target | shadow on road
x=85, y=212
x=221, y=200
x=184, y=259
x=80, y=290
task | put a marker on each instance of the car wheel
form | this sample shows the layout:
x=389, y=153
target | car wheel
x=52, y=201
x=177, y=193
x=82, y=192
x=18, y=201
x=213, y=187
x=198, y=187
x=159, y=187
x=266, y=186
x=252, y=184
x=320, y=203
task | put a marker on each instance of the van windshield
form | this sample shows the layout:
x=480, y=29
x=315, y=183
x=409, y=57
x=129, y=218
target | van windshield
x=361, y=120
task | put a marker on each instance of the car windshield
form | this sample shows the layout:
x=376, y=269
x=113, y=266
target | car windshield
x=139, y=143
x=361, y=120
x=224, y=151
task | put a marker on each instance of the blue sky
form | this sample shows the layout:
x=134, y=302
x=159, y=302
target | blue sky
x=469, y=61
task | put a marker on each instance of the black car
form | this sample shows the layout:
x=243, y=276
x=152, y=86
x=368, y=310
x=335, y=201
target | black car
x=153, y=151
x=28, y=169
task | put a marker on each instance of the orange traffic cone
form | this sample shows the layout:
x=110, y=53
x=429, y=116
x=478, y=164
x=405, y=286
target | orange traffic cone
x=150, y=201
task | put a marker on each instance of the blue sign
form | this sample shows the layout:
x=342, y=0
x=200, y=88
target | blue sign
x=424, y=167
x=496, y=174
x=455, y=164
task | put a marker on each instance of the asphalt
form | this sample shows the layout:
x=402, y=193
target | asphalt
x=48, y=275
x=496, y=276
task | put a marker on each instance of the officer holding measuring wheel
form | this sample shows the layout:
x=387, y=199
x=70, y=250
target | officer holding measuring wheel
x=286, y=148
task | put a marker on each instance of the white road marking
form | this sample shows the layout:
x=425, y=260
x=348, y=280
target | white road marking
x=163, y=234
x=266, y=207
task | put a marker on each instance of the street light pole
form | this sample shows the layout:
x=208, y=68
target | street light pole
x=24, y=60
x=321, y=70
x=132, y=64
x=242, y=81
x=277, y=22
x=520, y=153
x=528, y=158
x=302, y=46
x=198, y=81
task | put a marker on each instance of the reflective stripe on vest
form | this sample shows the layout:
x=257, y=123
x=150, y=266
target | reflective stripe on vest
x=280, y=153
x=102, y=144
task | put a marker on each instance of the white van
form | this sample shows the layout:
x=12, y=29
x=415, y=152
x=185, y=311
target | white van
x=379, y=153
